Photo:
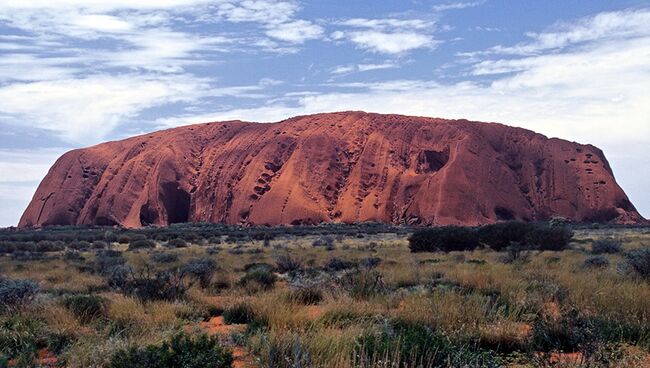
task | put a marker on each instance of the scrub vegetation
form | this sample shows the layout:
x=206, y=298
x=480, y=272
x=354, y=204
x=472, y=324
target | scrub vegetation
x=365, y=295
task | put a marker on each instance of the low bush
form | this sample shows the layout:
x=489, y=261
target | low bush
x=72, y=255
x=288, y=264
x=597, y=261
x=572, y=332
x=259, y=276
x=100, y=244
x=446, y=239
x=516, y=253
x=534, y=236
x=637, y=262
x=238, y=314
x=23, y=255
x=15, y=293
x=85, y=307
x=141, y=244
x=49, y=246
x=177, y=243
x=201, y=270
x=339, y=264
x=370, y=262
x=363, y=284
x=544, y=237
x=306, y=296
x=117, y=276
x=106, y=260
x=79, y=245
x=501, y=235
x=325, y=241
x=607, y=246
x=212, y=250
x=164, y=257
x=262, y=265
x=163, y=285
x=183, y=350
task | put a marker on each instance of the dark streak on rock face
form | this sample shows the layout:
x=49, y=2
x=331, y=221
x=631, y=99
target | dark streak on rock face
x=349, y=166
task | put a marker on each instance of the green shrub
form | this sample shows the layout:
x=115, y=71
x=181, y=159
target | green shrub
x=162, y=285
x=100, y=244
x=400, y=344
x=238, y=314
x=363, y=284
x=106, y=260
x=597, y=261
x=637, y=262
x=15, y=293
x=260, y=276
x=573, y=332
x=21, y=336
x=544, y=237
x=85, y=307
x=182, y=350
x=339, y=264
x=201, y=270
x=79, y=245
x=446, y=239
x=164, y=257
x=607, y=246
x=177, y=243
x=141, y=244
x=501, y=235
x=288, y=264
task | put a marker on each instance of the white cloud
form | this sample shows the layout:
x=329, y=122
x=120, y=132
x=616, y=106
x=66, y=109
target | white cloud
x=297, y=31
x=27, y=67
x=87, y=109
x=259, y=11
x=388, y=23
x=346, y=69
x=102, y=23
x=600, y=27
x=387, y=36
x=20, y=173
x=456, y=5
x=391, y=43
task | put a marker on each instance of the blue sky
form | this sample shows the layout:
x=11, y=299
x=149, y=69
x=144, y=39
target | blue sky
x=77, y=72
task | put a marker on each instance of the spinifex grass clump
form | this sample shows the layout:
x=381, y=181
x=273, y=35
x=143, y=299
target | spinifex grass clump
x=258, y=277
x=85, y=307
x=401, y=344
x=238, y=314
x=181, y=350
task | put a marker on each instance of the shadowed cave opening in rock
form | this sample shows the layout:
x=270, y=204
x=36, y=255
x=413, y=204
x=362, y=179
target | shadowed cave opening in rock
x=432, y=161
x=177, y=203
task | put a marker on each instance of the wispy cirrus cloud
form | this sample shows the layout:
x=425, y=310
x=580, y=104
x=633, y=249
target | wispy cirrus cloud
x=387, y=36
x=457, y=5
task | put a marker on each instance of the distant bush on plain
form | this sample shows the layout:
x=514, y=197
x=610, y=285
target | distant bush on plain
x=499, y=236
x=607, y=246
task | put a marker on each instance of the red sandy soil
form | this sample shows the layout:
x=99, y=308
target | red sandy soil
x=216, y=326
x=334, y=167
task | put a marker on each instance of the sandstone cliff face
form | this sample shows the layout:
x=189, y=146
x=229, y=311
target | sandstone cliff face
x=346, y=167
